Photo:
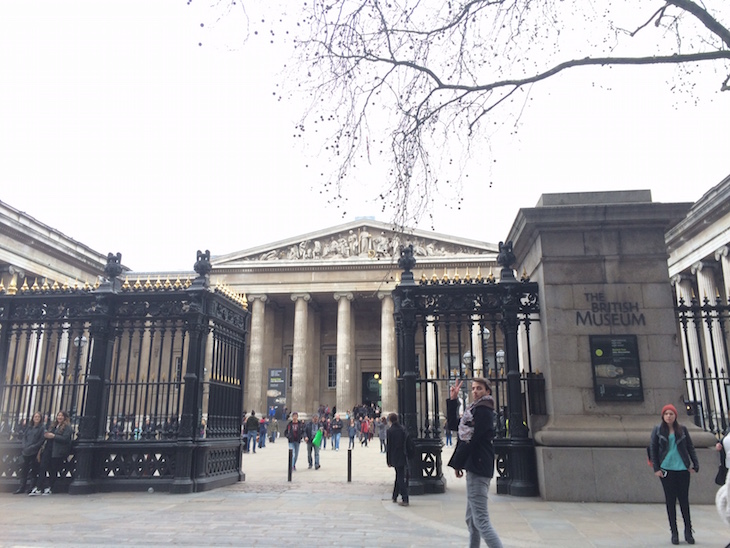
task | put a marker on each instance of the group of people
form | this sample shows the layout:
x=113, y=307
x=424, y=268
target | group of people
x=255, y=431
x=311, y=432
x=44, y=451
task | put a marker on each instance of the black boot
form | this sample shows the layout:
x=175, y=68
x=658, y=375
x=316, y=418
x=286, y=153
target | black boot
x=688, y=535
x=675, y=533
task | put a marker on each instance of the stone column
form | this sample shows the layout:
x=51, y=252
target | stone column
x=722, y=256
x=388, y=360
x=713, y=339
x=300, y=354
x=255, y=376
x=346, y=381
x=688, y=335
x=707, y=287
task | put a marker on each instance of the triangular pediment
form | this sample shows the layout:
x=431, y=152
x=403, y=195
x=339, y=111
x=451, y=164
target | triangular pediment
x=361, y=240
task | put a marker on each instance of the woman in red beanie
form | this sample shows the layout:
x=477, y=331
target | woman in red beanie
x=673, y=457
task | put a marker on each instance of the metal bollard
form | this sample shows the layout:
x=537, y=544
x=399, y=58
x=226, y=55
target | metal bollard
x=291, y=458
x=349, y=466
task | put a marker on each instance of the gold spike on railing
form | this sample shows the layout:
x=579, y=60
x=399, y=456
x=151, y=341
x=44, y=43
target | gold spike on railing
x=479, y=274
x=45, y=288
x=55, y=287
x=167, y=285
x=445, y=278
x=87, y=286
x=158, y=284
x=2, y=287
x=35, y=287
x=24, y=288
x=125, y=285
x=137, y=285
x=467, y=278
x=456, y=275
x=147, y=285
x=177, y=284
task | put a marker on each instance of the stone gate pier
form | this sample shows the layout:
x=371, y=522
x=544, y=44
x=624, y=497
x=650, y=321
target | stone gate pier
x=607, y=343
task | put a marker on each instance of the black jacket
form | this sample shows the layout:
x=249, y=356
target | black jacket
x=395, y=449
x=660, y=447
x=62, y=442
x=477, y=455
x=33, y=439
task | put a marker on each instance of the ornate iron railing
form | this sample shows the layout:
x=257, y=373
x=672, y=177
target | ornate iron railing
x=703, y=331
x=151, y=374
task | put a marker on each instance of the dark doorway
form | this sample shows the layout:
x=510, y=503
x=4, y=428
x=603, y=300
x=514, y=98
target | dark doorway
x=371, y=388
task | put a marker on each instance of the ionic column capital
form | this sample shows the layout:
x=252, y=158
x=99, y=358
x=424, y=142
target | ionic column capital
x=257, y=297
x=383, y=294
x=304, y=296
x=349, y=296
x=699, y=266
x=724, y=251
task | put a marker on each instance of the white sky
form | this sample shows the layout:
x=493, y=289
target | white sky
x=119, y=130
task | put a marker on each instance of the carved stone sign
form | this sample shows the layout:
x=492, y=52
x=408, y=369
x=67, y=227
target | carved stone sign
x=600, y=312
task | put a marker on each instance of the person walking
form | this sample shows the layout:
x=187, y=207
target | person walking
x=396, y=455
x=262, y=433
x=252, y=429
x=58, y=448
x=313, y=437
x=273, y=430
x=474, y=453
x=447, y=433
x=352, y=432
x=336, y=432
x=382, y=433
x=364, y=430
x=673, y=457
x=32, y=442
x=294, y=432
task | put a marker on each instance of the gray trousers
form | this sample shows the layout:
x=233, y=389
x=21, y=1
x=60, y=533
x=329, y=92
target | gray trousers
x=477, y=513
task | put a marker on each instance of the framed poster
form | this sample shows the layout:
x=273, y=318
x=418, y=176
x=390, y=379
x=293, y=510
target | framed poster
x=616, y=369
x=276, y=392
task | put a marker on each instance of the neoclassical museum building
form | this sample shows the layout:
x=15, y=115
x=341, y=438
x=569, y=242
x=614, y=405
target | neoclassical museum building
x=321, y=329
x=322, y=311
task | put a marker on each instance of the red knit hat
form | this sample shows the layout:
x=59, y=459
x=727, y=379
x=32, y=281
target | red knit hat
x=670, y=407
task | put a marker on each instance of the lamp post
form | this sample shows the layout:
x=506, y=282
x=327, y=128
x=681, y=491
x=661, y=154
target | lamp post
x=79, y=343
x=484, y=372
x=62, y=366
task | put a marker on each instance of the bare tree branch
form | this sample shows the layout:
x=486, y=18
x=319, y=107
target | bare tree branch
x=426, y=73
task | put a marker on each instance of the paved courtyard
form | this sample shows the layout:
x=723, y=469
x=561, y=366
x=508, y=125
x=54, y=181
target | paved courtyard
x=320, y=508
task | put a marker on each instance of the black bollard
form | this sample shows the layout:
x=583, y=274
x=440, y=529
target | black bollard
x=291, y=458
x=349, y=466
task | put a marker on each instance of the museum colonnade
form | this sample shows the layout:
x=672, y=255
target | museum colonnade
x=311, y=375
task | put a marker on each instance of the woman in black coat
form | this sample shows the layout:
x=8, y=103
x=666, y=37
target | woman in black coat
x=673, y=457
x=32, y=441
x=58, y=447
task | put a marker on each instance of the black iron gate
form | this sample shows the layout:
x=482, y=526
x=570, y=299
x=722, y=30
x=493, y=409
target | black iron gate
x=703, y=331
x=459, y=328
x=150, y=372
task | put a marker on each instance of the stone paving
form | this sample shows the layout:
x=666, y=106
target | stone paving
x=320, y=508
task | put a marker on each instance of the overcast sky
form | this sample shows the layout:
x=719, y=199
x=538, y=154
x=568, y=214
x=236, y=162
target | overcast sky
x=118, y=129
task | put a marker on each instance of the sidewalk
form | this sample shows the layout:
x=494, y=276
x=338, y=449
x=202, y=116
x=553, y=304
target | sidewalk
x=320, y=508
